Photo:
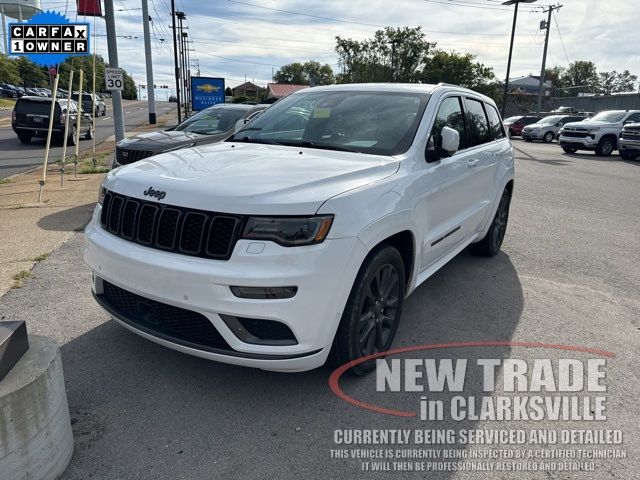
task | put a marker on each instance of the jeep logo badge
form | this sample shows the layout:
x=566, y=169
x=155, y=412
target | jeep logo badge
x=159, y=194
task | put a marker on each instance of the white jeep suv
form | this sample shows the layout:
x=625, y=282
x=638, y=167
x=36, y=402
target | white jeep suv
x=599, y=133
x=297, y=240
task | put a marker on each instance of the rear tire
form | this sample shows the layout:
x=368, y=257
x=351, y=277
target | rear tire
x=372, y=313
x=490, y=245
x=548, y=137
x=24, y=137
x=569, y=149
x=605, y=147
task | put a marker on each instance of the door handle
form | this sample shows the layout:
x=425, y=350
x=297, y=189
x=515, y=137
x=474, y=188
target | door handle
x=473, y=163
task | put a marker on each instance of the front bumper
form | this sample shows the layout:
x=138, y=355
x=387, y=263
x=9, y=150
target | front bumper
x=324, y=275
x=626, y=144
x=528, y=135
x=587, y=143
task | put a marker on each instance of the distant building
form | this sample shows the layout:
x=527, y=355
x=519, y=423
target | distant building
x=249, y=90
x=279, y=90
x=529, y=85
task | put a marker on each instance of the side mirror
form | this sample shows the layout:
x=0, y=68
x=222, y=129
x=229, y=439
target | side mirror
x=450, y=140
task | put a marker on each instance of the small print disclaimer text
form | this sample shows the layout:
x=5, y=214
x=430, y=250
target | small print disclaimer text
x=483, y=450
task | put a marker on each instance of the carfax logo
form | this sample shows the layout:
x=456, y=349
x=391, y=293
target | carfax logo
x=48, y=38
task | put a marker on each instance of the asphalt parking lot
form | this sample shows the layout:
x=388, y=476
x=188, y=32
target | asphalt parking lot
x=568, y=274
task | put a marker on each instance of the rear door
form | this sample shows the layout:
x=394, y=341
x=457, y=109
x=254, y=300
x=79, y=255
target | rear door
x=488, y=145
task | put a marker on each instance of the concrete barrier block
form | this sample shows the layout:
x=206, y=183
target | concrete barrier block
x=36, y=442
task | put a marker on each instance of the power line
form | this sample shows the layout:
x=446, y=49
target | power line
x=561, y=39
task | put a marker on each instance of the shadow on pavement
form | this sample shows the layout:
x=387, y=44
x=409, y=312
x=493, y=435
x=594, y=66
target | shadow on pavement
x=70, y=220
x=144, y=411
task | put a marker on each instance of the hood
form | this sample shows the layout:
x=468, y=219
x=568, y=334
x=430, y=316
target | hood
x=251, y=179
x=589, y=124
x=167, y=139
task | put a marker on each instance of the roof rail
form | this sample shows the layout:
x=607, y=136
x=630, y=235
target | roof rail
x=444, y=84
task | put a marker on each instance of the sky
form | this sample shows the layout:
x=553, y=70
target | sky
x=238, y=39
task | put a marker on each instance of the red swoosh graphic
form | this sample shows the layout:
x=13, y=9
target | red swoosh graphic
x=334, y=379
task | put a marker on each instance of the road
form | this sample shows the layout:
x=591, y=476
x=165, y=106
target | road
x=568, y=274
x=16, y=157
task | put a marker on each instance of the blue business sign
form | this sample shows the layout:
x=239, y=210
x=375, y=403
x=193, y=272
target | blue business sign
x=48, y=38
x=206, y=91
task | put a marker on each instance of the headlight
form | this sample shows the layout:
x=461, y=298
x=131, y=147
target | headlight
x=593, y=130
x=289, y=231
x=101, y=194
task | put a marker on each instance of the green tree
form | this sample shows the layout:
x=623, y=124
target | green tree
x=130, y=91
x=581, y=76
x=392, y=54
x=308, y=73
x=460, y=69
x=31, y=74
x=9, y=72
x=613, y=82
x=554, y=75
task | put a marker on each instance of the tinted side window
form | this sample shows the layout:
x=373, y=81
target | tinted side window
x=634, y=117
x=449, y=115
x=497, y=131
x=477, y=121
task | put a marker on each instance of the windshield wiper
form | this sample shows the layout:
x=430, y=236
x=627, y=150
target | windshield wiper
x=325, y=146
x=254, y=140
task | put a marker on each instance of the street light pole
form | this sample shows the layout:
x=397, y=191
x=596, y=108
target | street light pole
x=513, y=34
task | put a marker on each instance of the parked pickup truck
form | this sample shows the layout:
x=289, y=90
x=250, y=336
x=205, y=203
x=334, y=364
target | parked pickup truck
x=629, y=141
x=599, y=133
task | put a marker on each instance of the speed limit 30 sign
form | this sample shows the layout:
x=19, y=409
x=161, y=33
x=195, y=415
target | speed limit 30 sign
x=114, y=80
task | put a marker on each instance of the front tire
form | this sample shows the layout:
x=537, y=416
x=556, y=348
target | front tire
x=89, y=134
x=628, y=155
x=569, y=149
x=490, y=245
x=605, y=147
x=71, y=140
x=370, y=318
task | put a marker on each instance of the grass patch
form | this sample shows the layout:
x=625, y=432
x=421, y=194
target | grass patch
x=7, y=102
x=41, y=257
x=91, y=169
x=20, y=277
x=5, y=180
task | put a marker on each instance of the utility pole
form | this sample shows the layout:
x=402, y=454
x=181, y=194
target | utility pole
x=187, y=70
x=544, y=56
x=151, y=94
x=175, y=56
x=393, y=61
x=112, y=47
x=513, y=34
x=181, y=16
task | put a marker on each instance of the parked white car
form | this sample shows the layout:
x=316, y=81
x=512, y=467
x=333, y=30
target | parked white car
x=547, y=129
x=297, y=240
x=599, y=133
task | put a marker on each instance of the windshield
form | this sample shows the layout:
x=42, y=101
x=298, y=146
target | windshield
x=212, y=121
x=379, y=123
x=551, y=120
x=612, y=116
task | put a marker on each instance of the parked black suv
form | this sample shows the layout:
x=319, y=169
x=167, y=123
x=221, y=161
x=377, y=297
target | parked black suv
x=30, y=118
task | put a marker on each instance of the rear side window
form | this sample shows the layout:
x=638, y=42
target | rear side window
x=634, y=117
x=449, y=115
x=497, y=131
x=477, y=121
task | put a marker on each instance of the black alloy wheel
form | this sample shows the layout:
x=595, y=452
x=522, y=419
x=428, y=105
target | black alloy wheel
x=372, y=313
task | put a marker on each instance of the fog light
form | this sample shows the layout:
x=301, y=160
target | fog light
x=264, y=292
